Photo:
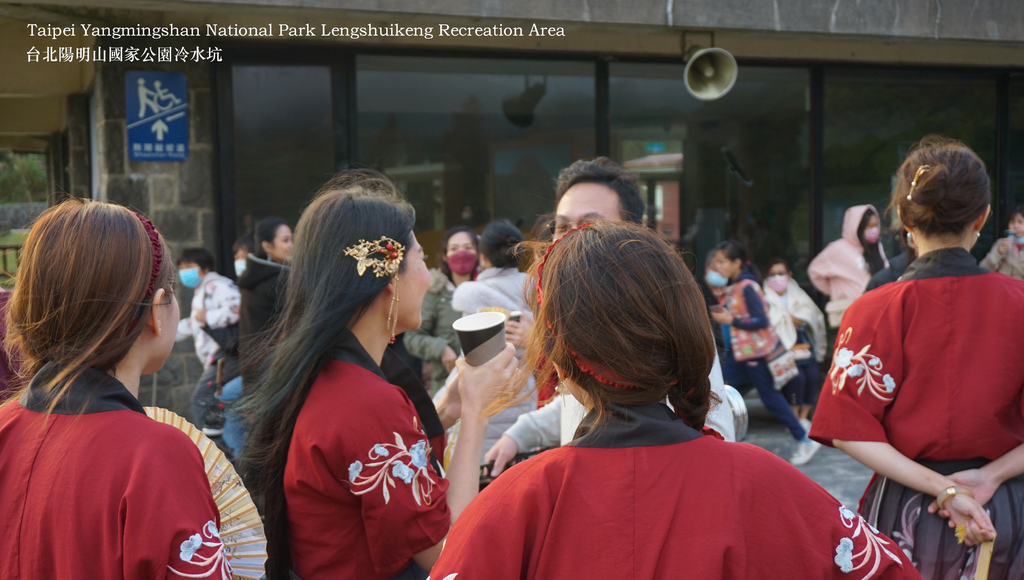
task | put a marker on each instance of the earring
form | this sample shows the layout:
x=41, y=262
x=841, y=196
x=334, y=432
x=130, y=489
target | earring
x=393, y=313
x=910, y=238
x=977, y=234
x=561, y=391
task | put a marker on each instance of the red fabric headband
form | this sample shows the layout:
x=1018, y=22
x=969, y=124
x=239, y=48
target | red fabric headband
x=602, y=375
x=158, y=258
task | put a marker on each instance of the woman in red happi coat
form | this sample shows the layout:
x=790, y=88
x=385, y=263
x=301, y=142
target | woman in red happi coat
x=927, y=381
x=342, y=450
x=90, y=486
x=643, y=492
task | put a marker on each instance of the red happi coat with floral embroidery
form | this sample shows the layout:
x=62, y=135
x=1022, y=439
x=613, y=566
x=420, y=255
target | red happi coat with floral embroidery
x=643, y=496
x=362, y=486
x=932, y=364
x=97, y=489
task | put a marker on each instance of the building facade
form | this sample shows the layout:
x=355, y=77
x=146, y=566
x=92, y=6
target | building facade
x=474, y=120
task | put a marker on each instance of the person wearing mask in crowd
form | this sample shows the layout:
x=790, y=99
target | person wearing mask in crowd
x=262, y=281
x=927, y=381
x=241, y=249
x=501, y=285
x=898, y=264
x=588, y=191
x=842, y=270
x=1007, y=255
x=711, y=294
x=234, y=424
x=90, y=486
x=215, y=305
x=435, y=340
x=341, y=452
x=643, y=491
x=751, y=340
x=800, y=325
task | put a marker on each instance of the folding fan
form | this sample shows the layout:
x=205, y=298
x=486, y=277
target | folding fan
x=241, y=529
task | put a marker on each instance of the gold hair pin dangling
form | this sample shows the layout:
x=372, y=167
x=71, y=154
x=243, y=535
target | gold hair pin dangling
x=384, y=256
x=920, y=171
x=393, y=313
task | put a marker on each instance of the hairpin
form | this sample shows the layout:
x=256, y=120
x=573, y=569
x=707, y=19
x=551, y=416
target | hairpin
x=920, y=171
x=384, y=256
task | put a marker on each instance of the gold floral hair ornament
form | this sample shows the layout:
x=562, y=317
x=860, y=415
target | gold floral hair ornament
x=385, y=256
x=920, y=171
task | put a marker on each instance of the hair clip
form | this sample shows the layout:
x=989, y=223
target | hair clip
x=920, y=171
x=385, y=256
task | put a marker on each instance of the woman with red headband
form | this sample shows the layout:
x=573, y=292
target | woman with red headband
x=645, y=492
x=91, y=487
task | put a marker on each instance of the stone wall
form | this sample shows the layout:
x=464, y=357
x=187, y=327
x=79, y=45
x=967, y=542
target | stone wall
x=177, y=196
x=19, y=215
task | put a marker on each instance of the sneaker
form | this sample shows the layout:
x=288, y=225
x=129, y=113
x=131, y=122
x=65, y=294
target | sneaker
x=804, y=452
x=806, y=424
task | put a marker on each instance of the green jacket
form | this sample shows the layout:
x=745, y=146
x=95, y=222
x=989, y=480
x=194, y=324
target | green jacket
x=428, y=341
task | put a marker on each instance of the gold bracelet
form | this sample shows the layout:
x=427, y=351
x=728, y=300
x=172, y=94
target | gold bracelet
x=948, y=493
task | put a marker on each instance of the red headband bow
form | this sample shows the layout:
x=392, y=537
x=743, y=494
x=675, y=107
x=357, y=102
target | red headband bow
x=158, y=258
x=604, y=376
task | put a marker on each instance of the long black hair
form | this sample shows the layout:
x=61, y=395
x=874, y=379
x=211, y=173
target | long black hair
x=872, y=255
x=265, y=231
x=324, y=296
x=734, y=250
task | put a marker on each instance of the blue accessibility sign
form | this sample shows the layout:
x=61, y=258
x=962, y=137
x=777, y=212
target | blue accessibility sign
x=157, y=111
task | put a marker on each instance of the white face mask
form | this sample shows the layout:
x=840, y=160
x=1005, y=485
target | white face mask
x=239, y=267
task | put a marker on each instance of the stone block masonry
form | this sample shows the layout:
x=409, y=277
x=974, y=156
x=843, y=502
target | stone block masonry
x=177, y=196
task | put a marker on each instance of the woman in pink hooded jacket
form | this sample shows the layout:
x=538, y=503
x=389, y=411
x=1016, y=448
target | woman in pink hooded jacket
x=842, y=270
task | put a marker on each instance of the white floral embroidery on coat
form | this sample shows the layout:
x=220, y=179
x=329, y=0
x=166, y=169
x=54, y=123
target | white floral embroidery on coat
x=388, y=462
x=210, y=565
x=874, y=546
x=862, y=367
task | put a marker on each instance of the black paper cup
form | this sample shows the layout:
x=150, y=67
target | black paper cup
x=482, y=336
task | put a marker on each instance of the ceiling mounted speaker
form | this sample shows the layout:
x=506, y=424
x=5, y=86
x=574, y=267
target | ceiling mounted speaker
x=710, y=73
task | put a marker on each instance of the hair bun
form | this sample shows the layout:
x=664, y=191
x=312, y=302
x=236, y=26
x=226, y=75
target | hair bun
x=943, y=187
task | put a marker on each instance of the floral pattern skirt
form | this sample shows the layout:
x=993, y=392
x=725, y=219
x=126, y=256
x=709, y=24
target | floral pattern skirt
x=902, y=514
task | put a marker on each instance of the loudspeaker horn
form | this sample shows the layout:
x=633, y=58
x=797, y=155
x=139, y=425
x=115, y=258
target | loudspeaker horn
x=710, y=73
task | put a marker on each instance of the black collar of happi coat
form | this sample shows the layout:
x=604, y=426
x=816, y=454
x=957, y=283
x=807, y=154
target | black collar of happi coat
x=392, y=369
x=94, y=391
x=644, y=426
x=943, y=263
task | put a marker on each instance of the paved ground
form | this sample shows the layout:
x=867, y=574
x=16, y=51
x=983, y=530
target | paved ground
x=832, y=469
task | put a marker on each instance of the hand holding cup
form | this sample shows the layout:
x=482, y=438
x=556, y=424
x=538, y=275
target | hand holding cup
x=479, y=386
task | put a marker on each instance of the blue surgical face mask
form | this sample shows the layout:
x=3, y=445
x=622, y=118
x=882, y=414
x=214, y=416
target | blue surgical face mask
x=239, y=267
x=715, y=279
x=189, y=277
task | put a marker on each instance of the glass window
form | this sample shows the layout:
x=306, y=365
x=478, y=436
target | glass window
x=737, y=167
x=471, y=140
x=873, y=117
x=283, y=139
x=1015, y=166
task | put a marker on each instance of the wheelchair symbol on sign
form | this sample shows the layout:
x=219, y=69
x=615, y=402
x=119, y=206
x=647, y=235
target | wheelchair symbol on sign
x=159, y=100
